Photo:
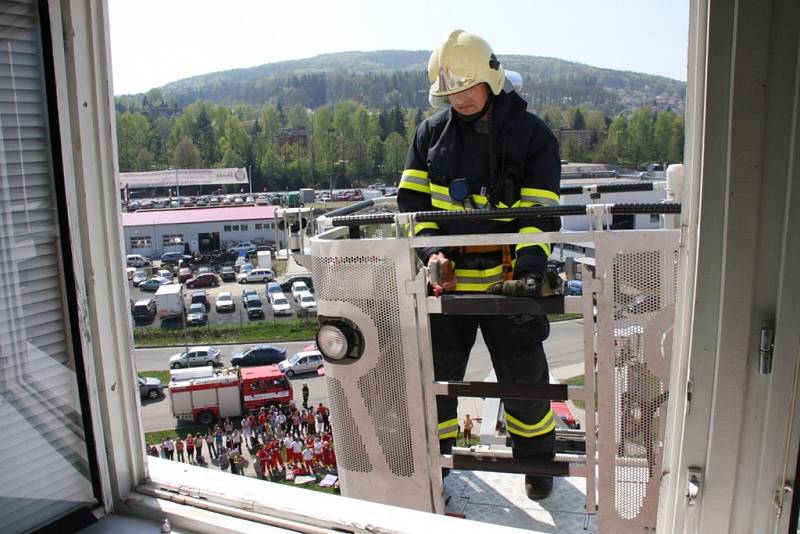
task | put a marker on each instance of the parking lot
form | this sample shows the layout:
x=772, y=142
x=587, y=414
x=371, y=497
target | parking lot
x=238, y=316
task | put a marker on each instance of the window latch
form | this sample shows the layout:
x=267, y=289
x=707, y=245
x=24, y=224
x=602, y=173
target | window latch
x=695, y=484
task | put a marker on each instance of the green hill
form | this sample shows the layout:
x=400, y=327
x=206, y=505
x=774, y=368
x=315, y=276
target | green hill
x=388, y=77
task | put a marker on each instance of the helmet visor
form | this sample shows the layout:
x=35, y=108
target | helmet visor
x=448, y=82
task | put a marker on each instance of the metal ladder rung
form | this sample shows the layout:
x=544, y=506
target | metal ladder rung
x=494, y=305
x=508, y=390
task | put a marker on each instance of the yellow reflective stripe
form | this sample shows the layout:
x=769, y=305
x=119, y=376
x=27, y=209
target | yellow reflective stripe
x=545, y=425
x=440, y=198
x=512, y=430
x=416, y=181
x=448, y=429
x=426, y=226
x=480, y=273
x=539, y=196
x=415, y=173
x=532, y=230
x=480, y=200
x=420, y=227
x=478, y=279
x=522, y=204
x=461, y=286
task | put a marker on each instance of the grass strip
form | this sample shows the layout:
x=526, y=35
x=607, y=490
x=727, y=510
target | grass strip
x=161, y=375
x=252, y=332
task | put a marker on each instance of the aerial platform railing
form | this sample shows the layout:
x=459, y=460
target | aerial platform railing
x=385, y=396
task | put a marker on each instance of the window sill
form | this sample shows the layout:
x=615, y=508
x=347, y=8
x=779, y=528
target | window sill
x=205, y=499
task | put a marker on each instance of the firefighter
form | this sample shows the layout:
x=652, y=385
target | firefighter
x=305, y=395
x=485, y=150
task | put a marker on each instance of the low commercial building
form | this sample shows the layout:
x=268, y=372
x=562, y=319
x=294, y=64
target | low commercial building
x=154, y=232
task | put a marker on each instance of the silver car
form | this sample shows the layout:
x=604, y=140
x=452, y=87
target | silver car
x=195, y=356
x=302, y=362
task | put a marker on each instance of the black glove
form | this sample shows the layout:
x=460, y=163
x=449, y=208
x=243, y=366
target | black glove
x=539, y=285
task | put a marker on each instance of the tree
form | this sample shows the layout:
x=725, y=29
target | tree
x=578, y=122
x=552, y=116
x=159, y=141
x=297, y=117
x=663, y=135
x=187, y=156
x=394, y=155
x=234, y=145
x=205, y=138
x=595, y=120
x=640, y=130
x=132, y=137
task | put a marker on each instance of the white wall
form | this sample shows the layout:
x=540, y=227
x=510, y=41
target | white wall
x=191, y=231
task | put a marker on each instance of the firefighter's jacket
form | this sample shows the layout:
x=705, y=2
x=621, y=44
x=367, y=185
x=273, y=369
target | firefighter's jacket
x=528, y=166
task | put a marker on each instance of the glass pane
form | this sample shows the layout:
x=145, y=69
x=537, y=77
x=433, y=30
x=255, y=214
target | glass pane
x=46, y=470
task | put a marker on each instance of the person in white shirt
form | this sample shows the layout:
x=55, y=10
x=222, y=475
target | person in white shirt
x=169, y=445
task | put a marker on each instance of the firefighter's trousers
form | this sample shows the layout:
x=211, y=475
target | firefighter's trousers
x=515, y=345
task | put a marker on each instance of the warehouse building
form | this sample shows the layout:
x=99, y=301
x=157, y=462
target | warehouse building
x=152, y=233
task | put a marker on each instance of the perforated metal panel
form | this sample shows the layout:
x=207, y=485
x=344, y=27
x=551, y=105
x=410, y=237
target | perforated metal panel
x=635, y=320
x=351, y=453
x=370, y=284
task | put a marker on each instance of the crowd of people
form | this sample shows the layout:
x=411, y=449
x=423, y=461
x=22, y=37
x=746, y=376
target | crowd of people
x=282, y=443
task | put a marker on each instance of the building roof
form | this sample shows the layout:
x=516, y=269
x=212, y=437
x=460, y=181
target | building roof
x=197, y=215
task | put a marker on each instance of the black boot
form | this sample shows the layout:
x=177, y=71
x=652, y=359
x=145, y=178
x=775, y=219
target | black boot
x=538, y=487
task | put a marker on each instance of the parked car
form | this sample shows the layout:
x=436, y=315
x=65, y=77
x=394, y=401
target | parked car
x=150, y=387
x=256, y=275
x=242, y=246
x=302, y=362
x=259, y=355
x=273, y=290
x=253, y=306
x=203, y=280
x=228, y=274
x=165, y=273
x=297, y=288
x=262, y=200
x=246, y=293
x=139, y=277
x=144, y=309
x=280, y=305
x=136, y=260
x=195, y=356
x=153, y=284
x=286, y=285
x=184, y=273
x=307, y=301
x=204, y=269
x=173, y=257
x=197, y=315
x=200, y=297
x=244, y=266
x=224, y=302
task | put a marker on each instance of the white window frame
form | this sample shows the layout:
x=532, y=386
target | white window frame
x=737, y=494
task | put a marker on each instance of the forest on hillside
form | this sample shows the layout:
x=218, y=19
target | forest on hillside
x=356, y=112
x=350, y=144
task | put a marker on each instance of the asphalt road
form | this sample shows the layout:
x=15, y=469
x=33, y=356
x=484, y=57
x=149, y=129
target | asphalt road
x=564, y=347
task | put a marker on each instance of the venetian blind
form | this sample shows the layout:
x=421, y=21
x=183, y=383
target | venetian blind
x=45, y=471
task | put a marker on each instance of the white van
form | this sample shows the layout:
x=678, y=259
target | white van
x=169, y=301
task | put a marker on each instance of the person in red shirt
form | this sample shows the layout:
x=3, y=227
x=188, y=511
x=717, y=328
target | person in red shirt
x=262, y=457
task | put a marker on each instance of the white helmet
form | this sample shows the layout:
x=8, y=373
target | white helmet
x=463, y=61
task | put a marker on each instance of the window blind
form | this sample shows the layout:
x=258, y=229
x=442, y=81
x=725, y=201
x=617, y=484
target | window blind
x=44, y=471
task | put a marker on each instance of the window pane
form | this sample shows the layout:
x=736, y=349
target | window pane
x=46, y=469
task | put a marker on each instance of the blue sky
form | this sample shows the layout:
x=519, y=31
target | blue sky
x=154, y=42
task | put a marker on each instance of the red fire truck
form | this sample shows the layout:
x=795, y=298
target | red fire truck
x=204, y=394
